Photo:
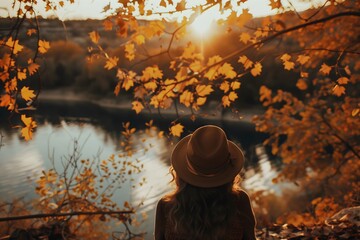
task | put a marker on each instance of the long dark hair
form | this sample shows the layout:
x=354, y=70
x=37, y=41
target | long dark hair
x=203, y=213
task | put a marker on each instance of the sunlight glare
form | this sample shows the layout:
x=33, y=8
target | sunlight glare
x=203, y=24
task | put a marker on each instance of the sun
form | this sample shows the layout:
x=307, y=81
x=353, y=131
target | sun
x=204, y=24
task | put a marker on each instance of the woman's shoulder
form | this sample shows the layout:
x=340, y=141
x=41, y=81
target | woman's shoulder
x=242, y=196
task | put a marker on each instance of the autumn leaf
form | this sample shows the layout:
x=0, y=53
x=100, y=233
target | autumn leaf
x=245, y=61
x=176, y=130
x=130, y=51
x=31, y=31
x=225, y=86
x=94, y=36
x=117, y=89
x=27, y=131
x=43, y=46
x=288, y=65
x=151, y=73
x=256, y=70
x=275, y=4
x=355, y=112
x=285, y=57
x=27, y=94
x=21, y=75
x=302, y=59
x=15, y=45
x=338, y=90
x=244, y=17
x=265, y=93
x=200, y=101
x=233, y=96
x=301, y=84
x=111, y=63
x=343, y=80
x=325, y=69
x=139, y=39
x=245, y=37
x=32, y=68
x=204, y=90
x=235, y=85
x=187, y=98
x=137, y=106
x=225, y=101
x=227, y=70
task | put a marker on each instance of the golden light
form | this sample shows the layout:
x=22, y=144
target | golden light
x=203, y=24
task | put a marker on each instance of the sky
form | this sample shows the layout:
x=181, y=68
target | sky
x=85, y=9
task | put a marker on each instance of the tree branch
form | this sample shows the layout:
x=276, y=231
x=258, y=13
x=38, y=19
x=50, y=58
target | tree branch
x=45, y=215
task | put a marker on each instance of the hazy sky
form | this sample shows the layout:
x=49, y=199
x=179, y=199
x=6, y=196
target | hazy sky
x=83, y=9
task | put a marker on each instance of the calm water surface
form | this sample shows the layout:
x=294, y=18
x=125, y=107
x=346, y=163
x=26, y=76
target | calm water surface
x=98, y=134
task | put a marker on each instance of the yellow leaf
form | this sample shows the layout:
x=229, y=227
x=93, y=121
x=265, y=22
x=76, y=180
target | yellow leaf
x=140, y=92
x=301, y=84
x=21, y=75
x=117, y=89
x=139, y=39
x=27, y=94
x=43, y=46
x=137, y=106
x=347, y=70
x=233, y=96
x=244, y=17
x=235, y=85
x=130, y=51
x=325, y=69
x=176, y=130
x=163, y=3
x=150, y=85
x=225, y=101
x=225, y=86
x=343, y=80
x=285, y=57
x=245, y=37
x=32, y=68
x=355, y=112
x=195, y=66
x=111, y=63
x=288, y=65
x=27, y=131
x=200, y=101
x=256, y=70
x=151, y=73
x=227, y=70
x=204, y=90
x=211, y=74
x=108, y=25
x=189, y=51
x=15, y=45
x=187, y=98
x=338, y=90
x=31, y=31
x=128, y=81
x=302, y=59
x=246, y=62
x=275, y=4
x=265, y=93
x=304, y=74
x=94, y=36
x=61, y=3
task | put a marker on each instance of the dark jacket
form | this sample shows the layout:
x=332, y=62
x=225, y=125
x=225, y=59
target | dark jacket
x=242, y=226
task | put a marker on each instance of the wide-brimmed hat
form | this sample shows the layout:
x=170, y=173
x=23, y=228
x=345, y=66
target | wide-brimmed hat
x=206, y=158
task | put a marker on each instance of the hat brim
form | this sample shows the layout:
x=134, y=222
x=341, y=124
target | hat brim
x=179, y=163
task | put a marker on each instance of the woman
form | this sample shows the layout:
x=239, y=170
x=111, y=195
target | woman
x=206, y=203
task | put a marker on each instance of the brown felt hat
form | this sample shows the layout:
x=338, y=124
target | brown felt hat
x=207, y=158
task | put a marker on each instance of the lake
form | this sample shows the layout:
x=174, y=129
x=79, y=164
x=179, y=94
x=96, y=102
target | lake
x=97, y=132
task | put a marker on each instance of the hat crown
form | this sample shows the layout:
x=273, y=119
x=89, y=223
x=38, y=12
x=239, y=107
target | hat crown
x=207, y=150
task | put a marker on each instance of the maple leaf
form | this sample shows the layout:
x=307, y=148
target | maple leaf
x=140, y=92
x=27, y=131
x=31, y=31
x=244, y=17
x=176, y=130
x=302, y=59
x=15, y=45
x=245, y=61
x=108, y=26
x=338, y=90
x=187, y=98
x=139, y=39
x=227, y=70
x=163, y=3
x=347, y=70
x=61, y=3
x=325, y=69
x=151, y=85
x=211, y=74
x=225, y=86
x=130, y=51
x=117, y=89
x=245, y=37
x=32, y=68
x=256, y=70
x=275, y=4
x=225, y=101
x=151, y=73
x=355, y=112
x=265, y=93
x=285, y=57
x=200, y=101
x=195, y=66
x=128, y=81
x=137, y=106
x=111, y=63
x=288, y=65
x=233, y=96
x=94, y=36
x=301, y=84
x=235, y=85
x=189, y=51
x=343, y=80
x=27, y=94
x=204, y=90
x=43, y=46
x=21, y=75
